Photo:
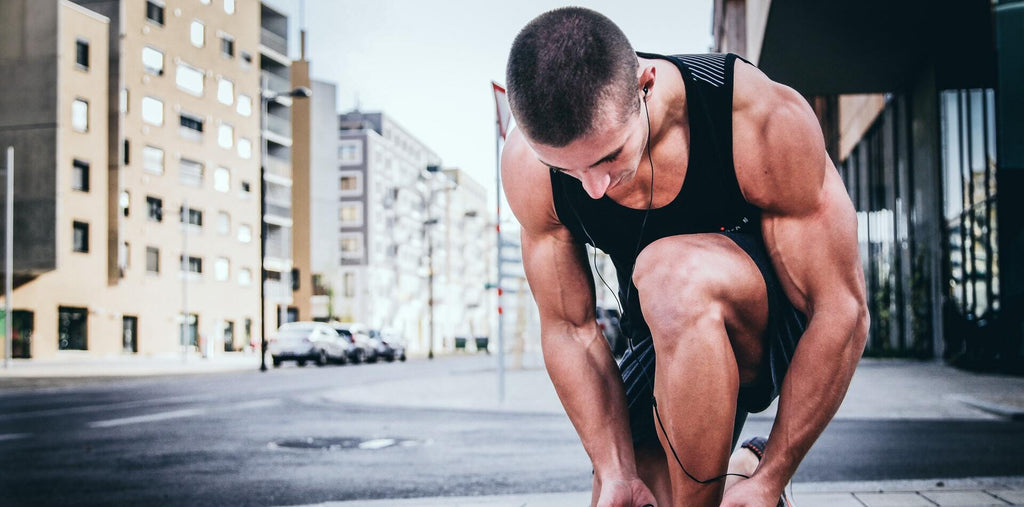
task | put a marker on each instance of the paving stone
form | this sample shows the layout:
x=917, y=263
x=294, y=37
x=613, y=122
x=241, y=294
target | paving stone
x=825, y=500
x=961, y=498
x=900, y=499
x=1014, y=496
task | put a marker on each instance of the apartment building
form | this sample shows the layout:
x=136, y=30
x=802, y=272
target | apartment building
x=137, y=207
x=275, y=80
x=920, y=103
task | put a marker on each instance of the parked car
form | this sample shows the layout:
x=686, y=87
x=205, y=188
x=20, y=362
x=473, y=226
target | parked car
x=393, y=347
x=307, y=341
x=362, y=349
x=608, y=321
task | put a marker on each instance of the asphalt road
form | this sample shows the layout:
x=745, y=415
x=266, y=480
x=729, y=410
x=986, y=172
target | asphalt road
x=274, y=439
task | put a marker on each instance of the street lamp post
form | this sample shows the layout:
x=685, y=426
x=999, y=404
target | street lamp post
x=266, y=95
x=430, y=221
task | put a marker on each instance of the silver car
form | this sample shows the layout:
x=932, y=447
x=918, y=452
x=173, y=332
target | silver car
x=307, y=341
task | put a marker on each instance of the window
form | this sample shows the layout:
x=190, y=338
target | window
x=153, y=159
x=221, y=269
x=155, y=209
x=225, y=136
x=350, y=182
x=222, y=179
x=225, y=91
x=126, y=152
x=82, y=53
x=229, y=6
x=124, y=257
x=72, y=328
x=349, y=284
x=244, y=233
x=246, y=57
x=80, y=115
x=244, y=107
x=227, y=46
x=153, y=61
x=192, y=265
x=223, y=223
x=191, y=126
x=350, y=152
x=123, y=101
x=152, y=259
x=125, y=202
x=204, y=2
x=80, y=175
x=351, y=245
x=245, y=277
x=197, y=34
x=246, y=187
x=155, y=12
x=190, y=173
x=152, y=111
x=81, y=237
x=351, y=214
x=190, y=79
x=192, y=216
x=245, y=148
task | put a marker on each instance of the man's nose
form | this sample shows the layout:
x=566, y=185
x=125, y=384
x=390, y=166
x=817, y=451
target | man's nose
x=595, y=183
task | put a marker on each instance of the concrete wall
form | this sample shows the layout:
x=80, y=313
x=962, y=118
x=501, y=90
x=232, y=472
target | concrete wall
x=29, y=119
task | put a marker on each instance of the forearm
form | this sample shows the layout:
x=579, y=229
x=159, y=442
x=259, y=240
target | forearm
x=812, y=392
x=589, y=386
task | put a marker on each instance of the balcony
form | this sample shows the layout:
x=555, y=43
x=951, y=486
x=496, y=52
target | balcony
x=274, y=83
x=274, y=41
x=279, y=126
x=278, y=211
x=278, y=167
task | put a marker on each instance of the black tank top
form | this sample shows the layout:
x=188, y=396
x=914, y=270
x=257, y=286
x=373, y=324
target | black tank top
x=709, y=200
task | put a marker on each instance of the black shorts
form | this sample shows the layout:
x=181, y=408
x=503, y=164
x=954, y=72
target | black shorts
x=785, y=326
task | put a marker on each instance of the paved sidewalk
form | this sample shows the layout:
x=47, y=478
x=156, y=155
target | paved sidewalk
x=930, y=493
x=75, y=369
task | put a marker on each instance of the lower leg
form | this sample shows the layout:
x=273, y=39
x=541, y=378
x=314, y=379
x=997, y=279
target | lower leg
x=652, y=466
x=696, y=406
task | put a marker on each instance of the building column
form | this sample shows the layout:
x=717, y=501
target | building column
x=1009, y=19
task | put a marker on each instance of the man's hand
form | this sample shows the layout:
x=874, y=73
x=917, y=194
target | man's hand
x=626, y=493
x=751, y=493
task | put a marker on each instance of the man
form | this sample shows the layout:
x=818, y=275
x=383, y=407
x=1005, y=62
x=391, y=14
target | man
x=736, y=250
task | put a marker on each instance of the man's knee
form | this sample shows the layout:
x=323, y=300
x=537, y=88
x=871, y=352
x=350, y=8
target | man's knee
x=677, y=287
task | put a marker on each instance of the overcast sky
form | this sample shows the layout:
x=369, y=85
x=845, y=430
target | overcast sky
x=429, y=64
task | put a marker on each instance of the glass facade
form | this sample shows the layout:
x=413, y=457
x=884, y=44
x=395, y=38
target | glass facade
x=969, y=212
x=879, y=177
x=895, y=247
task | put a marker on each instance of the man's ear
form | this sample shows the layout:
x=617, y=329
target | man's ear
x=645, y=80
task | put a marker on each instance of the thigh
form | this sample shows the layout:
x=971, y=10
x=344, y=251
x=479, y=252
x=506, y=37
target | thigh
x=706, y=273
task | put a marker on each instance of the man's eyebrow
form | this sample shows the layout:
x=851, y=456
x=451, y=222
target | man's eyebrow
x=610, y=156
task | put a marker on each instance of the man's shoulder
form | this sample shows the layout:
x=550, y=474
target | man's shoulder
x=527, y=184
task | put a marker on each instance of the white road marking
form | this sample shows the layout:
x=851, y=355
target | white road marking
x=14, y=436
x=160, y=416
x=379, y=443
x=188, y=412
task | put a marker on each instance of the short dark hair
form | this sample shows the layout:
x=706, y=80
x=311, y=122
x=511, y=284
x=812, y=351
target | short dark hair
x=563, y=66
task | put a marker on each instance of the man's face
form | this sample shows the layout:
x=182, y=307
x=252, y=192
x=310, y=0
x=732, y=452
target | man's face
x=604, y=159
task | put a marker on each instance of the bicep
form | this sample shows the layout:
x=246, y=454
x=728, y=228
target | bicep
x=816, y=253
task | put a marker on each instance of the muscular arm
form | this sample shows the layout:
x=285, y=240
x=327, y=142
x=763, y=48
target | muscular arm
x=576, y=355
x=810, y=230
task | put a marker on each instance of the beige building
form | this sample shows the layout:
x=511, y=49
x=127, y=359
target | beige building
x=155, y=196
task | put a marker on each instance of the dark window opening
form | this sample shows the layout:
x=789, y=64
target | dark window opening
x=155, y=12
x=81, y=239
x=72, y=328
x=80, y=175
x=82, y=53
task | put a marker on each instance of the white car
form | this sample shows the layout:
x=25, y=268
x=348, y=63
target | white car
x=307, y=341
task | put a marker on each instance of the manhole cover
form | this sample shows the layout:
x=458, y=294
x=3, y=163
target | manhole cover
x=343, y=443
